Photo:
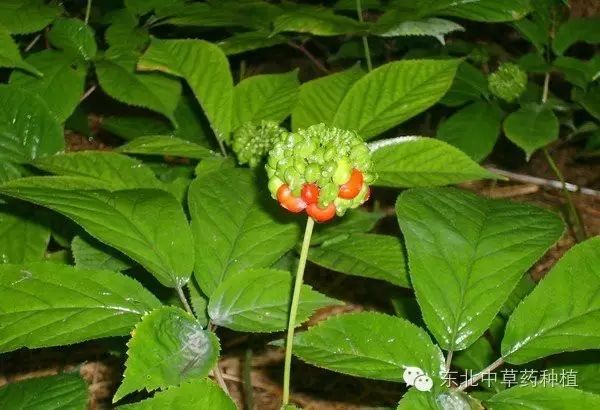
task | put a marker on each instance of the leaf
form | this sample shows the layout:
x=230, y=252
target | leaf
x=319, y=99
x=249, y=41
x=199, y=302
x=393, y=93
x=166, y=145
x=389, y=25
x=567, y=321
x=142, y=7
x=574, y=31
x=578, y=72
x=192, y=124
x=469, y=85
x=466, y=255
x=476, y=357
x=60, y=392
x=27, y=16
x=490, y=11
x=531, y=127
x=355, y=221
x=148, y=225
x=168, y=347
x=529, y=397
x=24, y=119
x=265, y=97
x=85, y=304
x=116, y=170
x=589, y=100
x=192, y=395
x=74, y=37
x=206, y=69
x=258, y=300
x=129, y=128
x=318, y=21
x=371, y=345
x=92, y=254
x=9, y=53
x=405, y=162
x=414, y=399
x=235, y=226
x=118, y=77
x=61, y=86
x=9, y=171
x=579, y=367
x=125, y=32
x=367, y=255
x=473, y=129
x=23, y=236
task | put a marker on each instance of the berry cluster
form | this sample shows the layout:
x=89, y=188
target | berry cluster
x=321, y=169
x=508, y=82
x=252, y=142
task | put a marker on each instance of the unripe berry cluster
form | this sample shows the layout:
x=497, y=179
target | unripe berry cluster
x=321, y=169
x=252, y=142
x=508, y=82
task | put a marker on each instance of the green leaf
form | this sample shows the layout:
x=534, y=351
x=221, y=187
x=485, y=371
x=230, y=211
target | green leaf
x=92, y=254
x=199, y=302
x=354, y=221
x=538, y=397
x=27, y=16
x=589, y=100
x=192, y=395
x=367, y=255
x=535, y=33
x=142, y=7
x=61, y=392
x=476, y=357
x=393, y=93
x=583, y=366
x=574, y=31
x=116, y=170
x=414, y=399
x=320, y=99
x=249, y=41
x=523, y=288
x=469, y=84
x=567, y=321
x=206, y=69
x=318, y=21
x=265, y=97
x=24, y=119
x=531, y=127
x=61, y=86
x=10, y=56
x=168, y=347
x=473, y=129
x=235, y=226
x=129, y=128
x=405, y=162
x=460, y=248
x=578, y=72
x=74, y=37
x=46, y=304
x=490, y=11
x=148, y=225
x=125, y=32
x=23, y=236
x=258, y=300
x=166, y=145
x=9, y=171
x=192, y=124
x=118, y=77
x=371, y=345
x=389, y=25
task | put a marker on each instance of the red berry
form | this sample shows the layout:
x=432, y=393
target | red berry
x=288, y=200
x=310, y=194
x=321, y=214
x=352, y=187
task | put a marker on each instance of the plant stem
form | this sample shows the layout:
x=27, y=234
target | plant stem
x=247, y=375
x=449, y=360
x=574, y=215
x=311, y=57
x=219, y=376
x=88, y=10
x=183, y=300
x=310, y=223
x=364, y=38
x=88, y=92
x=546, y=88
x=33, y=43
x=480, y=375
x=222, y=147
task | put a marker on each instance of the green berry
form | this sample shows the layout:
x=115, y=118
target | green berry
x=342, y=172
x=251, y=142
x=312, y=172
x=508, y=82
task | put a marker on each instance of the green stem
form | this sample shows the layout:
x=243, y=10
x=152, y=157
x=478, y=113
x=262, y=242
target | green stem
x=184, y=300
x=88, y=11
x=294, y=310
x=574, y=215
x=364, y=38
